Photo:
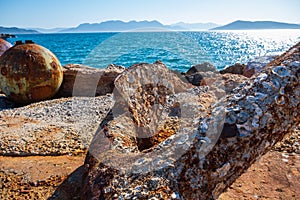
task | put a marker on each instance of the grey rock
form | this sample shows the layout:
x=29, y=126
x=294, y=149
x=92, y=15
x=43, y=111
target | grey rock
x=204, y=67
x=232, y=81
x=256, y=65
x=195, y=79
x=234, y=69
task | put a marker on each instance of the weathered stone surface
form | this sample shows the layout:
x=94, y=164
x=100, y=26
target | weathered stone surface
x=257, y=114
x=195, y=79
x=252, y=67
x=29, y=73
x=197, y=73
x=204, y=67
x=152, y=106
x=54, y=127
x=4, y=45
x=228, y=81
x=232, y=81
x=275, y=175
x=206, y=74
x=80, y=80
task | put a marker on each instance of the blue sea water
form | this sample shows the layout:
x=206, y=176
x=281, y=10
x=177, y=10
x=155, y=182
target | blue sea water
x=178, y=50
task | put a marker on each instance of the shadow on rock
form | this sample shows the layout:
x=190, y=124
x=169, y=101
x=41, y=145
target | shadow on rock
x=70, y=188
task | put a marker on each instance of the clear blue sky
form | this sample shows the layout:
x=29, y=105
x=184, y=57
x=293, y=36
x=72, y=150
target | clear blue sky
x=70, y=13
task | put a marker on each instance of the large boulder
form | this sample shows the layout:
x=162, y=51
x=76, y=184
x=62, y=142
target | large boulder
x=80, y=80
x=234, y=69
x=198, y=74
x=205, y=74
x=183, y=156
x=257, y=64
x=151, y=125
x=203, y=67
x=253, y=67
x=29, y=73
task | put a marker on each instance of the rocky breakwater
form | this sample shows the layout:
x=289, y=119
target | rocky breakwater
x=165, y=140
x=41, y=143
x=254, y=66
x=205, y=74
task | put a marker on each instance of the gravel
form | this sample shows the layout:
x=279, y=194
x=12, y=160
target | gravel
x=54, y=127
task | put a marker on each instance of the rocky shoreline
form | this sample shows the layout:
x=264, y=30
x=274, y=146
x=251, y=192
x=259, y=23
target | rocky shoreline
x=44, y=144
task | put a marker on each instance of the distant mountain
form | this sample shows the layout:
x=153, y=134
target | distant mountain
x=195, y=26
x=119, y=26
x=45, y=30
x=15, y=30
x=247, y=25
x=116, y=25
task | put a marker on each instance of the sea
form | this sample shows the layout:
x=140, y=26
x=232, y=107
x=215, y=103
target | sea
x=178, y=50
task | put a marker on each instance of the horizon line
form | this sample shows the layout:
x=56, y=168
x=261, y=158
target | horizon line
x=127, y=21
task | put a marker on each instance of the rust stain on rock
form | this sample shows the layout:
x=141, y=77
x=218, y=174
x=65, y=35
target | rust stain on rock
x=42, y=92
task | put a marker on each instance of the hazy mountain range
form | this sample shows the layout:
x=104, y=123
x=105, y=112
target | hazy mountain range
x=247, y=25
x=115, y=25
x=119, y=26
x=195, y=26
x=15, y=30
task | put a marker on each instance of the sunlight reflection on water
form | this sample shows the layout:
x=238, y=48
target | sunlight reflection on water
x=178, y=50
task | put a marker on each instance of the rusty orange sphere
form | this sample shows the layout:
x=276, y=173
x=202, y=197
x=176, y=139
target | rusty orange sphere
x=29, y=73
x=4, y=45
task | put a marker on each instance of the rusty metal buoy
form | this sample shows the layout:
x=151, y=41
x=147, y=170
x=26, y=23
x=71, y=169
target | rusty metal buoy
x=29, y=73
x=4, y=45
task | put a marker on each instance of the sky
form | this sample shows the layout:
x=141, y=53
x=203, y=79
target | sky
x=71, y=13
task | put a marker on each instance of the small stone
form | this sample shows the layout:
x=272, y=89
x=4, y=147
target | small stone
x=281, y=71
x=174, y=195
x=261, y=77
